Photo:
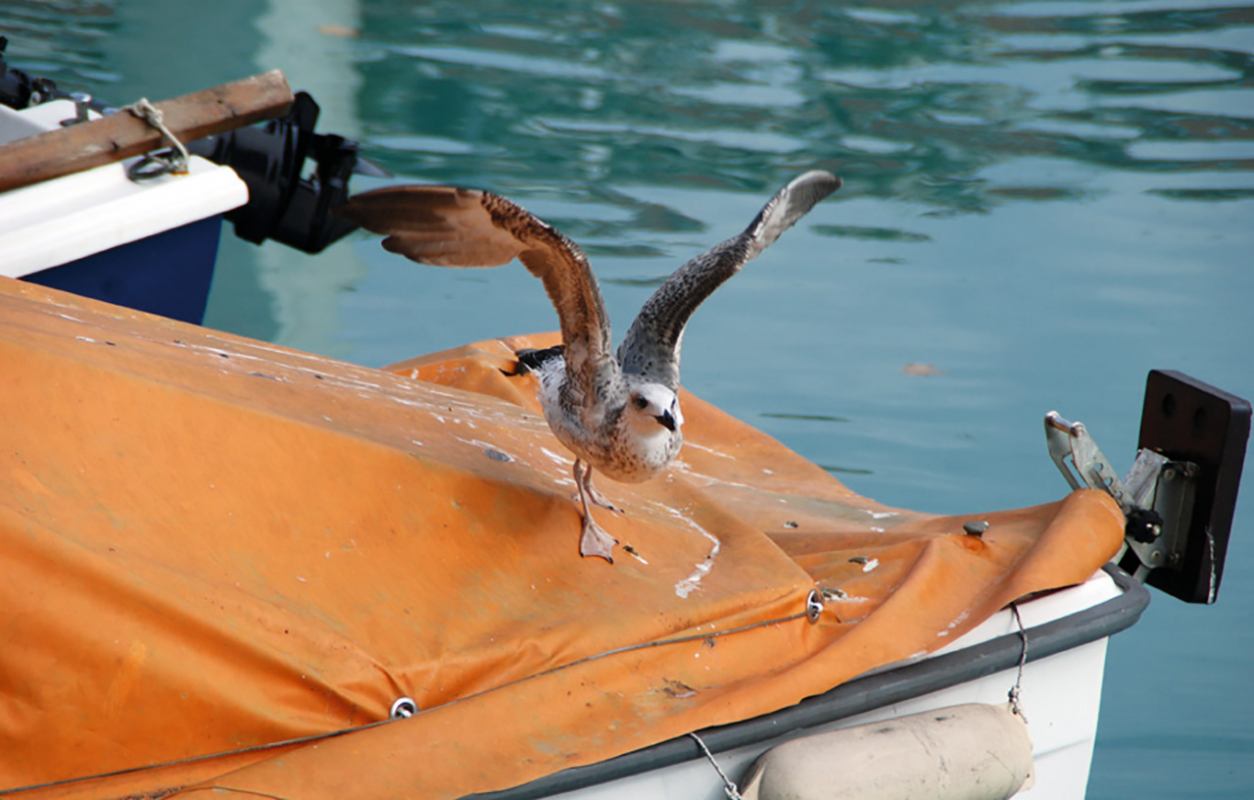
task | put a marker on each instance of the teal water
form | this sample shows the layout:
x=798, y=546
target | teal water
x=1043, y=201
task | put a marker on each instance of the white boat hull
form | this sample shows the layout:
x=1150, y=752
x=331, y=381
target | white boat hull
x=1060, y=696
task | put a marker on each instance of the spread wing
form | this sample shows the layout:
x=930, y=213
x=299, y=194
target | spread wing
x=652, y=346
x=453, y=227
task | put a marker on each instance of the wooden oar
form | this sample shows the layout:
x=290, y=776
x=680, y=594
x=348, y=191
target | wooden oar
x=122, y=135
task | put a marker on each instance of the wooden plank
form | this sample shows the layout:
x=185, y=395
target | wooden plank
x=122, y=135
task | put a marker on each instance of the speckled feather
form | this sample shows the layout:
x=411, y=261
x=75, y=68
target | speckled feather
x=651, y=347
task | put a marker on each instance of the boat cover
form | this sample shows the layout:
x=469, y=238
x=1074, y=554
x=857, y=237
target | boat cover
x=210, y=545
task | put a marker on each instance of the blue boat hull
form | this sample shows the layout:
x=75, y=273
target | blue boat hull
x=169, y=273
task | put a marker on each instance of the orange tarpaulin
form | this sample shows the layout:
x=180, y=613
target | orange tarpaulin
x=210, y=544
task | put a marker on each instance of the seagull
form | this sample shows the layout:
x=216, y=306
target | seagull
x=619, y=414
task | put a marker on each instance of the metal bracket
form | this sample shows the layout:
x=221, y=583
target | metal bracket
x=1089, y=466
x=1181, y=493
x=1156, y=495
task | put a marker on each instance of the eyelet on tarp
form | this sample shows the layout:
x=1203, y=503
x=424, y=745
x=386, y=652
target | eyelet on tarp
x=403, y=707
x=814, y=606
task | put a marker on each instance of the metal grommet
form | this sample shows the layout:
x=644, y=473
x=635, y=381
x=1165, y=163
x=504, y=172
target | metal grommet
x=814, y=606
x=403, y=707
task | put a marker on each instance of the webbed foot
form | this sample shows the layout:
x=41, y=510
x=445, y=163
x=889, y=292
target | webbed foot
x=596, y=541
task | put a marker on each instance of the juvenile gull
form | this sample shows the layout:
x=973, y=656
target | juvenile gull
x=618, y=414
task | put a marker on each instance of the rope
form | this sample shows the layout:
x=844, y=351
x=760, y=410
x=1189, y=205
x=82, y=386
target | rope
x=154, y=164
x=729, y=788
x=315, y=737
x=1013, y=694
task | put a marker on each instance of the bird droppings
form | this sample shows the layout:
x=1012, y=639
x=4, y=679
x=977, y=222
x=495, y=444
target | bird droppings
x=958, y=620
x=710, y=480
x=866, y=563
x=881, y=514
x=556, y=458
x=790, y=523
x=710, y=450
x=689, y=584
x=87, y=339
x=631, y=551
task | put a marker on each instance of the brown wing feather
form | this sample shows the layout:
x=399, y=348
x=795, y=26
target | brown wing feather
x=453, y=227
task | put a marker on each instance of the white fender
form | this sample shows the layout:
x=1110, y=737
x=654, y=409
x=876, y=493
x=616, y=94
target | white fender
x=973, y=751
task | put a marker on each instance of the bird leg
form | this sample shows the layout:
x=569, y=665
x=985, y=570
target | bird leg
x=595, y=540
x=596, y=497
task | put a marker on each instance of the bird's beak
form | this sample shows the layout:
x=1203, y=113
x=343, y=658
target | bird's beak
x=667, y=420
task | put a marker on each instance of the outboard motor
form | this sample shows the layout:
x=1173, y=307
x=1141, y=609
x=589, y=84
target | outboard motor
x=283, y=205
x=19, y=90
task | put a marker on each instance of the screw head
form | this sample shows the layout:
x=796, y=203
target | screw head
x=975, y=527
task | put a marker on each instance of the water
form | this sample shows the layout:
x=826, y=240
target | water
x=1043, y=201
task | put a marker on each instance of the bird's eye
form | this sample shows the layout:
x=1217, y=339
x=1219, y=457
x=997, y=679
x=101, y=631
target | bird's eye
x=639, y=402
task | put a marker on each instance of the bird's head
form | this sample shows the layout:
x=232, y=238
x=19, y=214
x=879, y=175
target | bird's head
x=652, y=407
